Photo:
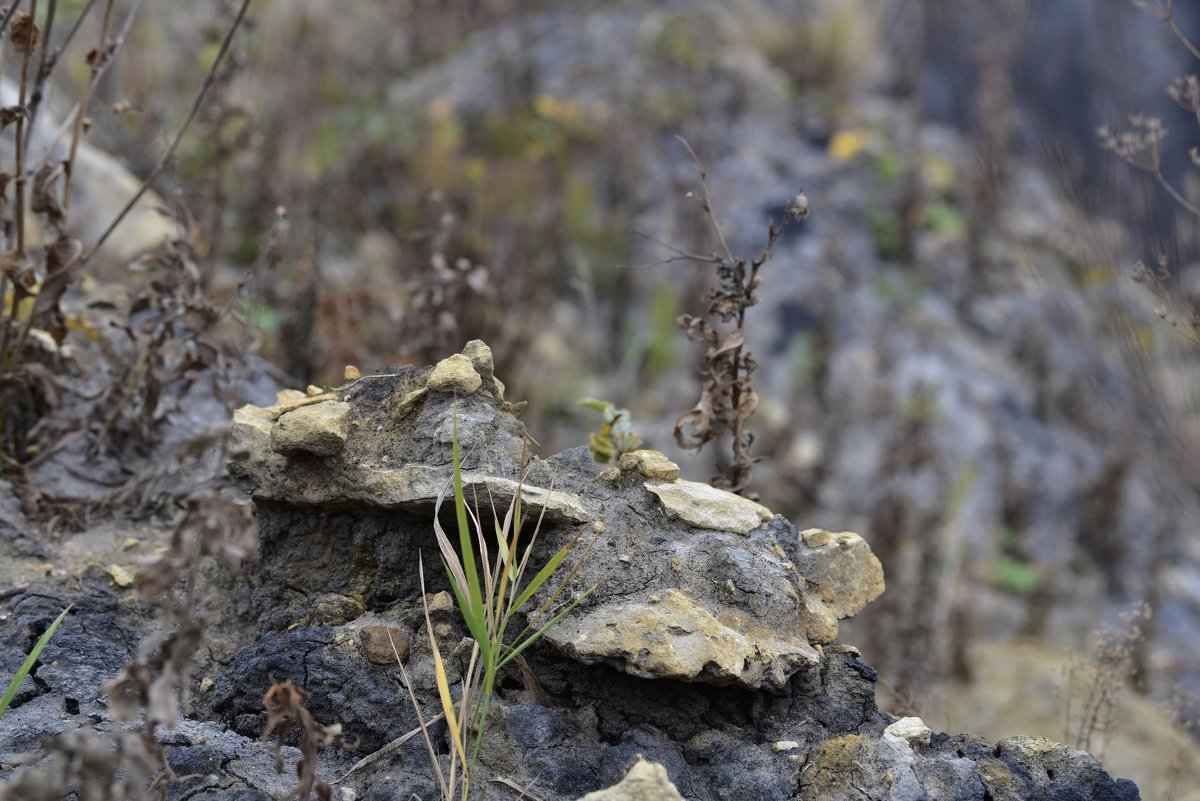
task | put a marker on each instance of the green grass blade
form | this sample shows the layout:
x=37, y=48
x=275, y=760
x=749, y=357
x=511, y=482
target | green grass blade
x=27, y=665
x=516, y=650
x=542, y=576
x=464, y=531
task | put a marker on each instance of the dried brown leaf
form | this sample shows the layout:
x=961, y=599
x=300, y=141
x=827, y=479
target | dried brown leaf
x=24, y=35
x=9, y=115
x=45, y=199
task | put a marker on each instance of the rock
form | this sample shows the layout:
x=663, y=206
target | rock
x=846, y=574
x=651, y=464
x=481, y=359
x=703, y=506
x=454, y=374
x=840, y=769
x=911, y=729
x=677, y=638
x=378, y=641
x=320, y=430
x=645, y=781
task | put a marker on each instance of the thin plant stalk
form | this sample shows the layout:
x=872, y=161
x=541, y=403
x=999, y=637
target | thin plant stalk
x=20, y=143
x=167, y=156
x=84, y=99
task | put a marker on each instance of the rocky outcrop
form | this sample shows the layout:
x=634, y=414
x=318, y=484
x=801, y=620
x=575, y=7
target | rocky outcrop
x=706, y=644
x=701, y=665
x=692, y=583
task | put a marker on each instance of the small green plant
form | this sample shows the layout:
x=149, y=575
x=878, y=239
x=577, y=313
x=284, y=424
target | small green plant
x=11, y=691
x=616, y=436
x=490, y=596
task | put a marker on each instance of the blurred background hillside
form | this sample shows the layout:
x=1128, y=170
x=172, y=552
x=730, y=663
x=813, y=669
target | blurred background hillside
x=952, y=357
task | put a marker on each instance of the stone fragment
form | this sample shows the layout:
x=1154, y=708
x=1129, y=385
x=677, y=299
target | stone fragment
x=651, y=464
x=706, y=507
x=120, y=576
x=846, y=574
x=320, y=430
x=784, y=745
x=454, y=374
x=677, y=638
x=351, y=373
x=481, y=359
x=441, y=603
x=645, y=781
x=911, y=729
x=378, y=641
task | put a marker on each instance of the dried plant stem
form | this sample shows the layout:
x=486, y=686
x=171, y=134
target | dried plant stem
x=84, y=99
x=20, y=143
x=170, y=152
x=707, y=200
x=45, y=67
x=1188, y=205
x=8, y=12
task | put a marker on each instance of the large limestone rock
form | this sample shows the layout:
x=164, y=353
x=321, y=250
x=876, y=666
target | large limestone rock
x=676, y=637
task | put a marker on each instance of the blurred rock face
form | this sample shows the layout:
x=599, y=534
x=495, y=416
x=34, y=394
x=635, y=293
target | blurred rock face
x=101, y=188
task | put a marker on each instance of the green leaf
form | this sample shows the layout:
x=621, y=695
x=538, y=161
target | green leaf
x=515, y=651
x=464, y=534
x=1016, y=575
x=593, y=403
x=29, y=662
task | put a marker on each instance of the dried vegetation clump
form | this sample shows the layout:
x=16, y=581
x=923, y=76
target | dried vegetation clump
x=727, y=399
x=285, y=708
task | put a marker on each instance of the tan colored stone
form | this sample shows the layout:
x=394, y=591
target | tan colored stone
x=911, y=729
x=378, y=640
x=454, y=374
x=818, y=622
x=815, y=537
x=651, y=464
x=442, y=602
x=320, y=429
x=847, y=576
x=706, y=507
x=677, y=638
x=645, y=781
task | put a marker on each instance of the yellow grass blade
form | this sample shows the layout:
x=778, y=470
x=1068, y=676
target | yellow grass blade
x=443, y=684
